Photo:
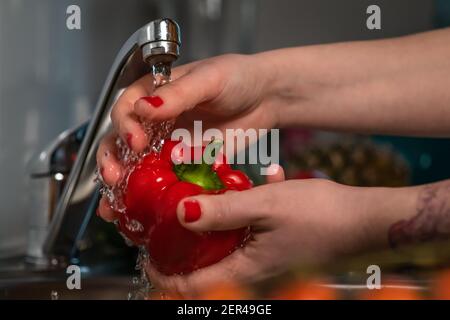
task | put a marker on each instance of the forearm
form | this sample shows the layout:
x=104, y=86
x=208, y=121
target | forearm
x=401, y=216
x=393, y=86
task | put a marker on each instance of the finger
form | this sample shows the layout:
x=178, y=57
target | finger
x=275, y=173
x=227, y=211
x=180, y=71
x=107, y=162
x=237, y=267
x=105, y=212
x=132, y=132
x=167, y=102
x=123, y=118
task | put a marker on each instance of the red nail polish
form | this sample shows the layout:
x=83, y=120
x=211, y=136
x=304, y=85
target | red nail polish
x=129, y=138
x=192, y=211
x=155, y=101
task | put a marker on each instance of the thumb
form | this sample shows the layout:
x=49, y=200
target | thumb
x=228, y=211
x=275, y=174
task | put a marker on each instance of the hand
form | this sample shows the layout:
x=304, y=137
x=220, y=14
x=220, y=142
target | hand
x=229, y=91
x=297, y=221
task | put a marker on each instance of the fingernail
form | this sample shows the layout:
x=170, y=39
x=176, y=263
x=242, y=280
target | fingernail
x=273, y=169
x=155, y=101
x=192, y=211
x=129, y=138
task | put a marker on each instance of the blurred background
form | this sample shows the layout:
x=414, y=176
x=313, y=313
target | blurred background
x=51, y=77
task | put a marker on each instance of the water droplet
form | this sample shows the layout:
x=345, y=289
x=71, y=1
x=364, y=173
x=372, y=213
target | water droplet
x=134, y=226
x=54, y=262
x=54, y=295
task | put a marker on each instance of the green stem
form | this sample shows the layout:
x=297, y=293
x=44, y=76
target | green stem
x=201, y=174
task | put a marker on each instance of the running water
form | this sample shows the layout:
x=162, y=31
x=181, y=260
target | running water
x=156, y=133
x=141, y=287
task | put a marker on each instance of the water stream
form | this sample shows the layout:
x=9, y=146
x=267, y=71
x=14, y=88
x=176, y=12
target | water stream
x=156, y=133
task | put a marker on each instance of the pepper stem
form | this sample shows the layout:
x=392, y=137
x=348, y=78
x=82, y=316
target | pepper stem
x=202, y=174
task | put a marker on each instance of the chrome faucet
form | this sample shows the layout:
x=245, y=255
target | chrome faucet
x=64, y=172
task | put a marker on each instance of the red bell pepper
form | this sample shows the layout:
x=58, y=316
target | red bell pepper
x=154, y=189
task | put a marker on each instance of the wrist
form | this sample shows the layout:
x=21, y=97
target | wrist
x=295, y=80
x=379, y=209
x=279, y=76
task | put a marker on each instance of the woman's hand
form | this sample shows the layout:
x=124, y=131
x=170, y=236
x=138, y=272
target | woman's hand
x=224, y=92
x=297, y=221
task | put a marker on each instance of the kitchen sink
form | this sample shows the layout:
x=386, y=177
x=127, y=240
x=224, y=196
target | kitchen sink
x=94, y=288
x=19, y=280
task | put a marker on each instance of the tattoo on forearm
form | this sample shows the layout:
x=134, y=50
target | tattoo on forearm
x=432, y=221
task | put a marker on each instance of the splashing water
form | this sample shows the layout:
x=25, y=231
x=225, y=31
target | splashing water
x=141, y=286
x=156, y=133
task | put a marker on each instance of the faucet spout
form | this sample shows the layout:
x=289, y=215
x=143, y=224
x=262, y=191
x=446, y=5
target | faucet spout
x=160, y=41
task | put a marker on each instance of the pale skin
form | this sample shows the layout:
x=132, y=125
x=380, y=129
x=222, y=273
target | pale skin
x=396, y=86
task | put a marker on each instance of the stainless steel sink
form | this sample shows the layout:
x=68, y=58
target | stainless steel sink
x=19, y=280
x=116, y=288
